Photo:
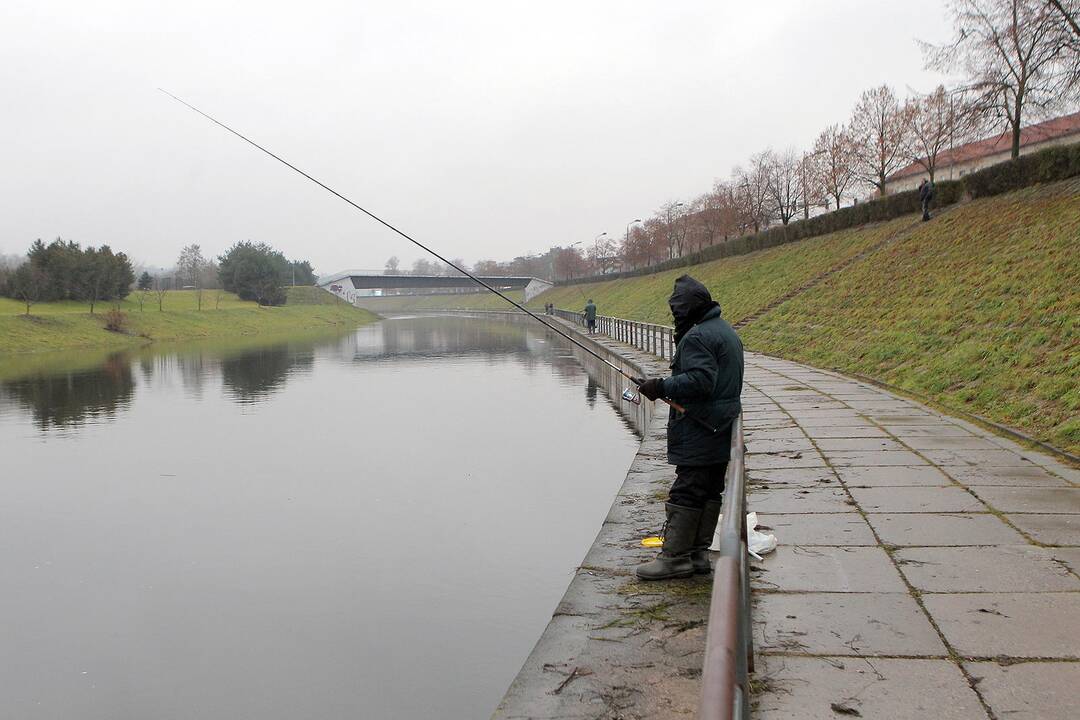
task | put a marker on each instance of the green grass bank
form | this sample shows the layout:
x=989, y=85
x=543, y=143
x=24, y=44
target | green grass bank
x=976, y=310
x=69, y=325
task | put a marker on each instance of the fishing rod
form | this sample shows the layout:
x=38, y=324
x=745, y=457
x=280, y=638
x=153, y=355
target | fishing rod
x=425, y=248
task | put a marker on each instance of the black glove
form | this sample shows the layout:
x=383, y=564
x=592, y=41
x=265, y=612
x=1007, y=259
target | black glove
x=652, y=388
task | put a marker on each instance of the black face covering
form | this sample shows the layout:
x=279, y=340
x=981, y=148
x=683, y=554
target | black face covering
x=689, y=303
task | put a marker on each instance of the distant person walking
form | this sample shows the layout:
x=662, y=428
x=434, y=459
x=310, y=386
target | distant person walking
x=590, y=316
x=926, y=196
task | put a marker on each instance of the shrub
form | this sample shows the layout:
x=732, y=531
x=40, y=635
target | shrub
x=116, y=321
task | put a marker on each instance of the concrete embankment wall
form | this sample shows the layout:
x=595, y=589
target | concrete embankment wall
x=615, y=647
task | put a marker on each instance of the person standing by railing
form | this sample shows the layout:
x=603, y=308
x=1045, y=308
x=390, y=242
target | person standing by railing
x=706, y=379
x=589, y=315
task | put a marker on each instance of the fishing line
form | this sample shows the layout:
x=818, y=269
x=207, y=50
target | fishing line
x=425, y=248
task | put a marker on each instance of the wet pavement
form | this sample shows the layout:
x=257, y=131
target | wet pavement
x=926, y=567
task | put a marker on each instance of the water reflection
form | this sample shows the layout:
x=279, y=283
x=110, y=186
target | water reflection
x=69, y=399
x=296, y=530
x=255, y=375
x=61, y=399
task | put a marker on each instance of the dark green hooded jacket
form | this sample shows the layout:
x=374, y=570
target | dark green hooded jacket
x=590, y=311
x=706, y=377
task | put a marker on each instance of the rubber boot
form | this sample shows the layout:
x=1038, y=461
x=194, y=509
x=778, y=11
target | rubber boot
x=706, y=528
x=674, y=560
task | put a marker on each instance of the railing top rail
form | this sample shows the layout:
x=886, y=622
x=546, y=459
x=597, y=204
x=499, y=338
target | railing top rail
x=722, y=695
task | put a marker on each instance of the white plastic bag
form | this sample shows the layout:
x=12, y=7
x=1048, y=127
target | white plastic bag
x=758, y=543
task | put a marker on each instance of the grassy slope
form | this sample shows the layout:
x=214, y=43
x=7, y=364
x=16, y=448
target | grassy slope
x=741, y=284
x=977, y=310
x=59, y=326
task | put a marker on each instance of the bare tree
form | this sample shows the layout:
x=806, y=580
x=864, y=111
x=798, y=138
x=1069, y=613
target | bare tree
x=604, y=255
x=28, y=284
x=752, y=190
x=141, y=297
x=879, y=136
x=160, y=288
x=834, y=155
x=1069, y=12
x=391, y=267
x=938, y=122
x=190, y=266
x=1016, y=55
x=785, y=190
x=424, y=267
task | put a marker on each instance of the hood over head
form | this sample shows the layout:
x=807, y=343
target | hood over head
x=689, y=303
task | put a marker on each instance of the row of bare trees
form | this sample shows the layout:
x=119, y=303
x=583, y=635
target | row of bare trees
x=1020, y=63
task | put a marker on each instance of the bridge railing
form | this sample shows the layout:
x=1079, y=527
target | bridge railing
x=656, y=339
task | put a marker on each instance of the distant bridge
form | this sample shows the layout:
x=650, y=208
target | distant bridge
x=341, y=283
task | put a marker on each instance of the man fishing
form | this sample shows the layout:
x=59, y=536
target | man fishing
x=706, y=380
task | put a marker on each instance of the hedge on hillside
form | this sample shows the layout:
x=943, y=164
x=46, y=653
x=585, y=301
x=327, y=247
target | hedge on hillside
x=1050, y=165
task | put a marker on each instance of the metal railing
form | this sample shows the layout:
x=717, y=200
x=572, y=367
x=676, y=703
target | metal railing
x=729, y=642
x=656, y=339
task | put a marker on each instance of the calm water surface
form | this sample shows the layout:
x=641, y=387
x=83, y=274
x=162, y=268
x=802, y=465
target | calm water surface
x=370, y=526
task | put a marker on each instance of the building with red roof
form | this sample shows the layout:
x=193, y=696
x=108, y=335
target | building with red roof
x=956, y=162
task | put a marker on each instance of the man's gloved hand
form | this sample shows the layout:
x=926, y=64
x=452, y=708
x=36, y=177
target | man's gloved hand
x=652, y=388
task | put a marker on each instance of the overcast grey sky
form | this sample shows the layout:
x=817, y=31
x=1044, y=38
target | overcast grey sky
x=487, y=129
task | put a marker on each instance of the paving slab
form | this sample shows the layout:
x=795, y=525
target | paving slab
x=844, y=624
x=874, y=458
x=949, y=442
x=845, y=430
x=846, y=528
x=1043, y=690
x=795, y=477
x=924, y=475
x=1070, y=556
x=787, y=459
x=915, y=499
x=828, y=569
x=990, y=625
x=979, y=458
x=1001, y=568
x=774, y=434
x=798, y=500
x=1049, y=528
x=932, y=529
x=756, y=446
x=804, y=688
x=1006, y=476
x=1031, y=500
x=794, y=403
x=939, y=429
x=858, y=444
x=909, y=418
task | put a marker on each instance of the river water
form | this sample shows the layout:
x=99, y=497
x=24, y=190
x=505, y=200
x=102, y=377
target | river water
x=373, y=525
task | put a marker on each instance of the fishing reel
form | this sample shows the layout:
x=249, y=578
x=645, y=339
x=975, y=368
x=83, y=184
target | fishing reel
x=631, y=395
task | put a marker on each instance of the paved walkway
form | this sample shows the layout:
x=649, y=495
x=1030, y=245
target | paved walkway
x=926, y=568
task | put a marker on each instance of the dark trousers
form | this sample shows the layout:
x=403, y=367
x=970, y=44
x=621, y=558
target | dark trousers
x=926, y=208
x=695, y=485
x=591, y=324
